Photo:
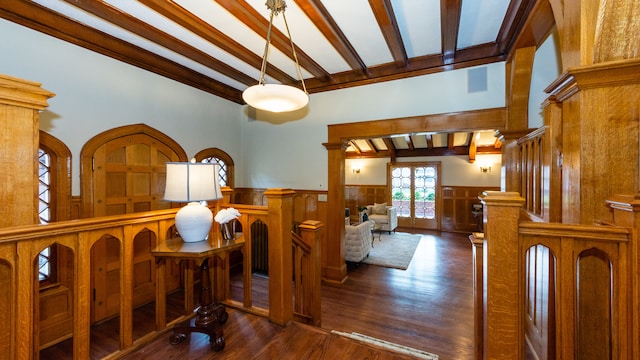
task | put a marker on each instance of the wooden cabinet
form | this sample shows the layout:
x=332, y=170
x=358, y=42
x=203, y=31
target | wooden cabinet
x=457, y=206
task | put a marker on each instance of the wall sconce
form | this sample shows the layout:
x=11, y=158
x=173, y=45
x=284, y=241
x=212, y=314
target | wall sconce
x=485, y=168
x=356, y=171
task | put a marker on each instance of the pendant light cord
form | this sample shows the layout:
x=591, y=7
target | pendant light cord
x=276, y=7
x=295, y=57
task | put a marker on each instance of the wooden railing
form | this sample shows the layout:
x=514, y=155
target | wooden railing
x=20, y=248
x=538, y=165
x=566, y=291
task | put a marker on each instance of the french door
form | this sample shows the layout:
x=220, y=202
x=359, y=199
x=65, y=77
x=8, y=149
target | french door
x=415, y=194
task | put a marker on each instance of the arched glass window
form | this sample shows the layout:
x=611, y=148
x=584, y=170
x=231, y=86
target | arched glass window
x=54, y=187
x=217, y=156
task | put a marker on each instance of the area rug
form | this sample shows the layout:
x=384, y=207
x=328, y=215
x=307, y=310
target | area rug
x=418, y=354
x=393, y=250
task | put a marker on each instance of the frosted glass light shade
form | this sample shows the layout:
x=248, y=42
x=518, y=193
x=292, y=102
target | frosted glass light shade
x=275, y=97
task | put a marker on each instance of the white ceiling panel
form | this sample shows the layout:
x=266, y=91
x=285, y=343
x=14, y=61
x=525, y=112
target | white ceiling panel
x=357, y=21
x=419, y=23
x=480, y=21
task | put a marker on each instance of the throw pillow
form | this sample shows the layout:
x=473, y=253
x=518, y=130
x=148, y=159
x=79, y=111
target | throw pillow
x=380, y=209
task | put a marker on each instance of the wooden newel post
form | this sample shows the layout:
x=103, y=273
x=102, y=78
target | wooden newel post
x=227, y=193
x=280, y=207
x=626, y=212
x=312, y=232
x=503, y=277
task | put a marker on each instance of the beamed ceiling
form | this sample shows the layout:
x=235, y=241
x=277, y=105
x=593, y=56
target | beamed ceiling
x=217, y=45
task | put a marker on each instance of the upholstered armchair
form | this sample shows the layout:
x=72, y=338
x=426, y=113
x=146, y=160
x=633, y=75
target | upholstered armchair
x=357, y=241
x=384, y=215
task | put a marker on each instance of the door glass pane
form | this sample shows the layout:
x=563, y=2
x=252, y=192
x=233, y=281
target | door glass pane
x=425, y=192
x=401, y=190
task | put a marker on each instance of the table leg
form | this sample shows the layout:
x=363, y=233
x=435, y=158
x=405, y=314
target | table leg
x=209, y=315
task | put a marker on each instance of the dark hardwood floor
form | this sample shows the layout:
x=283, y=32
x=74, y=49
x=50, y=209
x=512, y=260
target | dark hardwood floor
x=428, y=307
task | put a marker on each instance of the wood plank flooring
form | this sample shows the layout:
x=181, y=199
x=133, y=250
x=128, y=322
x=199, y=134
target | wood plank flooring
x=427, y=307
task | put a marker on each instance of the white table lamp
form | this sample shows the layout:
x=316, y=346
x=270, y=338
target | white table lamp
x=194, y=183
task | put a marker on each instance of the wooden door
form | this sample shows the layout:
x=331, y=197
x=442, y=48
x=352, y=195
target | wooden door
x=129, y=175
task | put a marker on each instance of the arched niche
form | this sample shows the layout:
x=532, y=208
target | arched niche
x=144, y=283
x=540, y=301
x=6, y=309
x=594, y=280
x=54, y=300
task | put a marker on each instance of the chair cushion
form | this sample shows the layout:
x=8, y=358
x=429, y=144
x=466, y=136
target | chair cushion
x=379, y=209
x=379, y=219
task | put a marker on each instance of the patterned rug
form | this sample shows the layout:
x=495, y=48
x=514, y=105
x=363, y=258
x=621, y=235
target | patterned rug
x=418, y=354
x=393, y=250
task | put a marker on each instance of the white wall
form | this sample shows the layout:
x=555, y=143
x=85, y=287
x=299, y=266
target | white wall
x=95, y=93
x=546, y=68
x=277, y=155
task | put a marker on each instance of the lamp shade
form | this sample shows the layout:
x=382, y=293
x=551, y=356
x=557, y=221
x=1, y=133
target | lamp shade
x=275, y=97
x=192, y=182
x=186, y=182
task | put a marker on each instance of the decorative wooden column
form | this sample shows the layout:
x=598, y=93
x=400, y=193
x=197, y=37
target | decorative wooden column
x=20, y=102
x=312, y=232
x=335, y=267
x=503, y=323
x=280, y=205
x=477, y=244
x=600, y=95
x=626, y=212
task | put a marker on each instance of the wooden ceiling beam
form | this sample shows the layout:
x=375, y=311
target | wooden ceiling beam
x=473, y=148
x=321, y=18
x=256, y=22
x=129, y=23
x=450, y=138
x=514, y=21
x=36, y=17
x=388, y=72
x=450, y=11
x=383, y=11
x=184, y=18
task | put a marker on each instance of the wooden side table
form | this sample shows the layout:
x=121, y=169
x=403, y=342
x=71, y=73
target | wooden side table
x=210, y=316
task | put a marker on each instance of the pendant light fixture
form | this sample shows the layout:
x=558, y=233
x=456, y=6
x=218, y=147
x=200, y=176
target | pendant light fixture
x=276, y=97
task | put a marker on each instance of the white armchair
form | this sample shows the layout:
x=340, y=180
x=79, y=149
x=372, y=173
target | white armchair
x=357, y=241
x=384, y=215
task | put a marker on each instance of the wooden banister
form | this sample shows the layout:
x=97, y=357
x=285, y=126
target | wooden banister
x=585, y=286
x=21, y=246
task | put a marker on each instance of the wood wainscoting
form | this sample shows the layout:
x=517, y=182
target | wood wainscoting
x=457, y=203
x=363, y=195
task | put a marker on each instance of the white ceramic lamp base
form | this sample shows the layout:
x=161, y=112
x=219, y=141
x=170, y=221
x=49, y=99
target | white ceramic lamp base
x=194, y=222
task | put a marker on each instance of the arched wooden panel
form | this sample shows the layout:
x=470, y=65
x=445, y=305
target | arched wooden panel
x=6, y=310
x=55, y=302
x=594, y=305
x=105, y=266
x=122, y=170
x=540, y=293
